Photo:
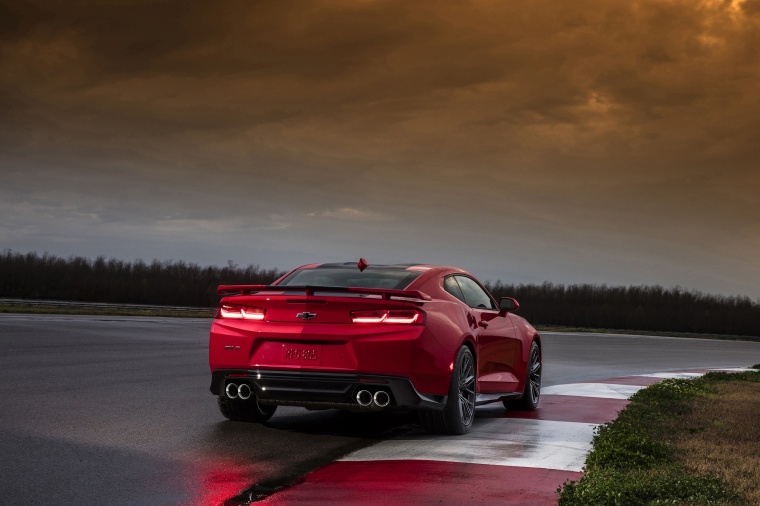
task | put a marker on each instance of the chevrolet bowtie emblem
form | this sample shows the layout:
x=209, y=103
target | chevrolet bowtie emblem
x=306, y=315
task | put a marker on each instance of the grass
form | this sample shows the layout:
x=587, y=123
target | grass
x=588, y=330
x=103, y=310
x=727, y=447
x=682, y=442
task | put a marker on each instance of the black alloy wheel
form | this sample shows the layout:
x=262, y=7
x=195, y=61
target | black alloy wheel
x=459, y=413
x=532, y=393
x=466, y=380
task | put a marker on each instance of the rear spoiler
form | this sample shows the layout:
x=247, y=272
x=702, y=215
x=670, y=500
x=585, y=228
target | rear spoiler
x=385, y=293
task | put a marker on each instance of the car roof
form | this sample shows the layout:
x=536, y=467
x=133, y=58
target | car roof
x=399, y=266
x=352, y=265
x=429, y=270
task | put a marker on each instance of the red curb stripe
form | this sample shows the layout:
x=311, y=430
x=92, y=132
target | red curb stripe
x=568, y=408
x=382, y=483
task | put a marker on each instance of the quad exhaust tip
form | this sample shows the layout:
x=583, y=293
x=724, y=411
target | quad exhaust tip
x=364, y=398
x=243, y=391
x=382, y=398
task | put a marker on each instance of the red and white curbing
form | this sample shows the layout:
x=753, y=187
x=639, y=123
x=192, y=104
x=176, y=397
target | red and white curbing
x=508, y=458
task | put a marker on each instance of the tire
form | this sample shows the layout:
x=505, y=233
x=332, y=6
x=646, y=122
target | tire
x=248, y=410
x=459, y=413
x=532, y=393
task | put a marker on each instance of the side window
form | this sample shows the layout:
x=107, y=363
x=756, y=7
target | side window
x=450, y=285
x=474, y=295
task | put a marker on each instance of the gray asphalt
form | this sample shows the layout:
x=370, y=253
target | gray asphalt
x=116, y=410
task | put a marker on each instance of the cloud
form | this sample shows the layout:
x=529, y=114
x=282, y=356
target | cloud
x=501, y=82
x=350, y=214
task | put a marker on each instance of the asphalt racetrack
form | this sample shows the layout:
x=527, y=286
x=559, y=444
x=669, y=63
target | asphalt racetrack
x=116, y=410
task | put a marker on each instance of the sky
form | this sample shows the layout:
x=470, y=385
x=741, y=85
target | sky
x=592, y=141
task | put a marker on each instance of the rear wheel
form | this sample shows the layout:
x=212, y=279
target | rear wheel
x=248, y=410
x=458, y=414
x=532, y=392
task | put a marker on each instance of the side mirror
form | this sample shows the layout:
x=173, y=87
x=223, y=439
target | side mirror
x=508, y=305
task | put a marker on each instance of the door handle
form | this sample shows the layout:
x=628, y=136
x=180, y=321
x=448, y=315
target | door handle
x=483, y=323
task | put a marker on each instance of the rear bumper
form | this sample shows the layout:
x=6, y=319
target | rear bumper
x=323, y=390
x=396, y=351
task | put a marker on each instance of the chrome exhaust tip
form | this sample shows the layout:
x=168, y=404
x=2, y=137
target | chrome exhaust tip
x=382, y=398
x=244, y=391
x=231, y=390
x=364, y=398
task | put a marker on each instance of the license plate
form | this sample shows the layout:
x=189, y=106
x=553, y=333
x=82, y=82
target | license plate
x=305, y=354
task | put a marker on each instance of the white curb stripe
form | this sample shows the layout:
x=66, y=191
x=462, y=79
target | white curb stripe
x=674, y=375
x=600, y=390
x=690, y=375
x=501, y=442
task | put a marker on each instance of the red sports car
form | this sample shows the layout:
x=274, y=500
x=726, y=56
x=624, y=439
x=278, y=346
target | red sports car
x=372, y=337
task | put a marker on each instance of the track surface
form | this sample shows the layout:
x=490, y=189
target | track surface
x=116, y=410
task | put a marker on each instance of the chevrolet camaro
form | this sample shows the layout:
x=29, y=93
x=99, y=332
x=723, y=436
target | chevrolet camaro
x=372, y=337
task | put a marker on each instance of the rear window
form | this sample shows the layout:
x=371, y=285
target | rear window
x=390, y=279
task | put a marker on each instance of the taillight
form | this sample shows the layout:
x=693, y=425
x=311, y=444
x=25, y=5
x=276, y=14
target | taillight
x=241, y=312
x=407, y=316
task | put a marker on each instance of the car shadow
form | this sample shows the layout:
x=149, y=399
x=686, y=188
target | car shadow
x=365, y=425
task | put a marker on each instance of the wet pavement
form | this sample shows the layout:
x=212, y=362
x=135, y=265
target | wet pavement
x=116, y=410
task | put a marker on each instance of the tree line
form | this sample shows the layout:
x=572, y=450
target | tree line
x=178, y=283
x=163, y=283
x=648, y=308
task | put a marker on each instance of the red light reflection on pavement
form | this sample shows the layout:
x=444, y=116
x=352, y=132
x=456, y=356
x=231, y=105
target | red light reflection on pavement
x=216, y=482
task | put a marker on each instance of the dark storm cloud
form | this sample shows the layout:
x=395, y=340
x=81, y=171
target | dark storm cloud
x=531, y=63
x=623, y=128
